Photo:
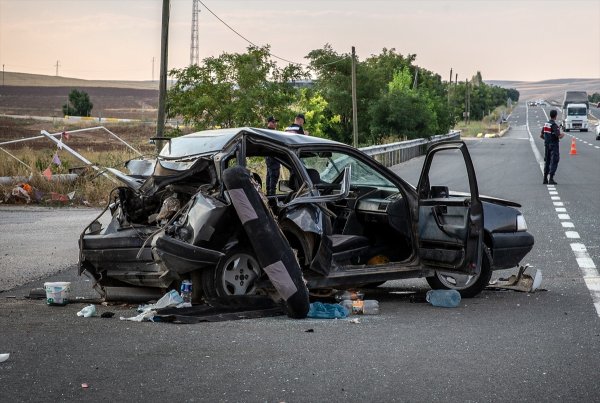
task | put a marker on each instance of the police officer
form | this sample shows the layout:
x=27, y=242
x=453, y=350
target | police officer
x=273, y=166
x=298, y=125
x=552, y=135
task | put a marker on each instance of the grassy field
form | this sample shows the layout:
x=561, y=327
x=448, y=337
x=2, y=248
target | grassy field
x=32, y=158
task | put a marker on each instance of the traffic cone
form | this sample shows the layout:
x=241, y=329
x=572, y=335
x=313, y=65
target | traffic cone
x=573, y=148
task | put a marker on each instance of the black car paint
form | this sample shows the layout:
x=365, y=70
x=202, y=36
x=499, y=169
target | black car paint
x=178, y=247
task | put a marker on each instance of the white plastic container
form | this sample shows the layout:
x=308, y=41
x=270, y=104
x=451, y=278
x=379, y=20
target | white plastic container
x=57, y=293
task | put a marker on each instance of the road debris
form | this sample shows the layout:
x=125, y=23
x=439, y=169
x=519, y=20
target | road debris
x=520, y=282
x=88, y=311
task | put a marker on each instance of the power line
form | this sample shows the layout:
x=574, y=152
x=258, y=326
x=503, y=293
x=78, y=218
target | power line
x=246, y=39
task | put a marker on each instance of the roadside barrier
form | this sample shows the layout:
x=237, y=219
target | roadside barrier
x=396, y=153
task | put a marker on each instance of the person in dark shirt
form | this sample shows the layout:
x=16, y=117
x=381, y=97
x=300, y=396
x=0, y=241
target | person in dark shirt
x=273, y=166
x=551, y=134
x=297, y=126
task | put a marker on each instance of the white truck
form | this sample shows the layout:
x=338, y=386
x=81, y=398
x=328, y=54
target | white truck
x=575, y=111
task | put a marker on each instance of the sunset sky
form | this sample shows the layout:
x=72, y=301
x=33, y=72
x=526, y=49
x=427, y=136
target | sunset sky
x=117, y=39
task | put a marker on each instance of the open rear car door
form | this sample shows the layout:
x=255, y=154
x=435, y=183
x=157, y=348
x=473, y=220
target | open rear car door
x=450, y=228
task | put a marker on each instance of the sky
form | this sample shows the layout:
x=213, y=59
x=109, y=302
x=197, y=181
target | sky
x=120, y=39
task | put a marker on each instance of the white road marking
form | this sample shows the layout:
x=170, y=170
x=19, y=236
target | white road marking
x=586, y=264
x=555, y=197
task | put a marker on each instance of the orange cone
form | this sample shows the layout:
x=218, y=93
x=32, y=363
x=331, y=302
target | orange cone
x=573, y=148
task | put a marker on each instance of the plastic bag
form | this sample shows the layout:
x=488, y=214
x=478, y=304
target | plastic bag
x=319, y=310
x=172, y=298
x=88, y=311
x=146, y=315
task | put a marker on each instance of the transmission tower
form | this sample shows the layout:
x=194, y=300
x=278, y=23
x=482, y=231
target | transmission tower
x=194, y=42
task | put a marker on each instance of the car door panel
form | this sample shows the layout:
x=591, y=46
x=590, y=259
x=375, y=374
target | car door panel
x=450, y=229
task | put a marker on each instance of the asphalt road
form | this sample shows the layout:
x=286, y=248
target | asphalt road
x=500, y=346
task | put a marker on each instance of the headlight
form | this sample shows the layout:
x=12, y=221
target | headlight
x=521, y=224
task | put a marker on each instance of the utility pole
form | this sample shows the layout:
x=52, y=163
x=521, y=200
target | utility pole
x=194, y=58
x=449, y=85
x=466, y=100
x=354, y=112
x=3, y=75
x=57, y=68
x=162, y=87
x=152, y=68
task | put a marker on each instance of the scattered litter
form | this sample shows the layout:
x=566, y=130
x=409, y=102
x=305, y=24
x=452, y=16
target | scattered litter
x=352, y=295
x=519, y=282
x=57, y=293
x=36, y=293
x=355, y=320
x=443, y=298
x=107, y=314
x=234, y=307
x=360, y=307
x=88, y=311
x=4, y=357
x=85, y=385
x=309, y=331
x=172, y=298
x=319, y=310
x=146, y=315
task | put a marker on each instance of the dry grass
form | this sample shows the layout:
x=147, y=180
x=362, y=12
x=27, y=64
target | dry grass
x=489, y=124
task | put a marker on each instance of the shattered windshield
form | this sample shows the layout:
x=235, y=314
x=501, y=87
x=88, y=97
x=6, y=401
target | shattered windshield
x=330, y=166
x=195, y=144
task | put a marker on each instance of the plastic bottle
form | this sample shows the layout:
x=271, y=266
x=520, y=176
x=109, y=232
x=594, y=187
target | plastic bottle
x=186, y=291
x=351, y=295
x=360, y=307
x=443, y=298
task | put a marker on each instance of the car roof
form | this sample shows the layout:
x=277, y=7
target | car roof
x=211, y=141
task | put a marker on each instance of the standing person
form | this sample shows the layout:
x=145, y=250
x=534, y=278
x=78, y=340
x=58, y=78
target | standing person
x=552, y=135
x=273, y=166
x=297, y=126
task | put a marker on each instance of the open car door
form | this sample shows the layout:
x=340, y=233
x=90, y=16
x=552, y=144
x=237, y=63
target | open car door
x=450, y=228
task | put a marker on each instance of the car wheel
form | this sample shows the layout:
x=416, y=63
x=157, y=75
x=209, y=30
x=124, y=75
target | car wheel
x=235, y=274
x=468, y=285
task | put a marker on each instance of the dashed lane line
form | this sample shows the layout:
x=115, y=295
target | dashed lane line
x=586, y=264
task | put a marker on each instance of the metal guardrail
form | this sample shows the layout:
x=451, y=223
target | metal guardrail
x=395, y=153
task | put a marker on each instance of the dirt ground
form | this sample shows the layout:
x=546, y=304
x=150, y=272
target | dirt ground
x=123, y=103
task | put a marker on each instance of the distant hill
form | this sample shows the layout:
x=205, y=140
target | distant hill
x=38, y=80
x=549, y=89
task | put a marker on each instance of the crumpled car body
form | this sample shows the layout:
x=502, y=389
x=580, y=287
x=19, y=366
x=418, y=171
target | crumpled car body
x=350, y=221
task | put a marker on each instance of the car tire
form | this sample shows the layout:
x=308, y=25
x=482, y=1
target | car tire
x=468, y=286
x=234, y=274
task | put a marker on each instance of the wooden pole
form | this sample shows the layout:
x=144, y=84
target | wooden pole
x=354, y=111
x=162, y=88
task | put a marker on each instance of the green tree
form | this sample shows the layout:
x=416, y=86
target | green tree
x=233, y=90
x=79, y=104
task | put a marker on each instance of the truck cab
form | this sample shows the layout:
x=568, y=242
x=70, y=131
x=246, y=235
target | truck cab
x=575, y=117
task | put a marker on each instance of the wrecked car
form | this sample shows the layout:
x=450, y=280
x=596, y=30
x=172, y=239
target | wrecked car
x=349, y=220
